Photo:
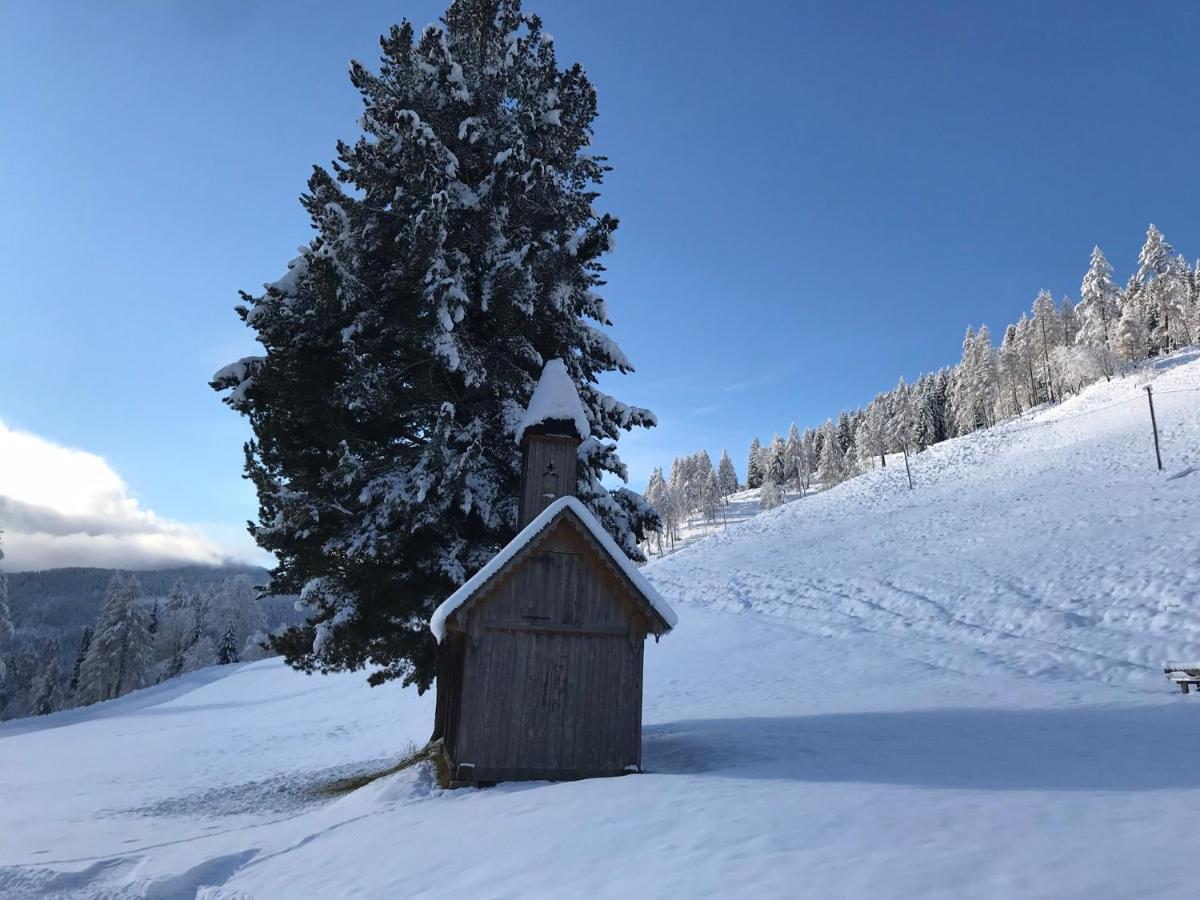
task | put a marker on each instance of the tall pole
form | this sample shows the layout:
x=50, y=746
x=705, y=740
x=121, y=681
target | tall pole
x=1154, y=425
x=907, y=470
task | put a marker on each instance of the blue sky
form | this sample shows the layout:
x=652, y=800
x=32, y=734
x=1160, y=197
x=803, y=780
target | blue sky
x=815, y=198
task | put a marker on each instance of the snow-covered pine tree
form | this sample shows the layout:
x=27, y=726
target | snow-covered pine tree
x=877, y=418
x=771, y=495
x=257, y=646
x=776, y=456
x=16, y=698
x=47, y=690
x=200, y=653
x=121, y=650
x=845, y=435
x=1026, y=347
x=85, y=641
x=228, y=646
x=966, y=388
x=1099, y=311
x=175, y=629
x=1011, y=370
x=1155, y=257
x=977, y=382
x=792, y=452
x=201, y=623
x=1174, y=297
x=711, y=497
x=1132, y=341
x=921, y=436
x=1069, y=319
x=1047, y=332
x=1194, y=299
x=701, y=470
x=658, y=496
x=806, y=460
x=234, y=603
x=726, y=475
x=935, y=407
x=901, y=422
x=988, y=375
x=1155, y=275
x=1076, y=366
x=457, y=250
x=754, y=465
x=864, y=442
x=832, y=467
x=677, y=484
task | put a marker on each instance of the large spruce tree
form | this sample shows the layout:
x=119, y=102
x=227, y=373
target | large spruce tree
x=457, y=249
x=121, y=650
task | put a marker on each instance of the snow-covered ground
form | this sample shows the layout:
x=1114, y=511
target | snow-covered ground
x=871, y=693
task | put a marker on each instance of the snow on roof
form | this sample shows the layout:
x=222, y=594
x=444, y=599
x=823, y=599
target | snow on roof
x=555, y=397
x=437, y=624
x=1181, y=667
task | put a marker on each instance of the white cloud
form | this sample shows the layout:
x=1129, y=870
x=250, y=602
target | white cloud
x=66, y=507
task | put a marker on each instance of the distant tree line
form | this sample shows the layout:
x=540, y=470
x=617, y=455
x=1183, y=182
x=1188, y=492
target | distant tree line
x=133, y=643
x=693, y=487
x=1048, y=354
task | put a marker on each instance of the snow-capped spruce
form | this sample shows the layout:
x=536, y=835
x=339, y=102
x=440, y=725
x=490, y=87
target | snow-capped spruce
x=770, y=496
x=754, y=465
x=832, y=468
x=457, y=250
x=121, y=649
x=726, y=476
x=228, y=646
x=1098, y=311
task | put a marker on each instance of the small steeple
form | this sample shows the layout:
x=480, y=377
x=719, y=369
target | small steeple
x=549, y=434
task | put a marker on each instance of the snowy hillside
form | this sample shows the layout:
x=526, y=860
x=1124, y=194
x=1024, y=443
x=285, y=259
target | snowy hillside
x=1046, y=545
x=741, y=506
x=945, y=693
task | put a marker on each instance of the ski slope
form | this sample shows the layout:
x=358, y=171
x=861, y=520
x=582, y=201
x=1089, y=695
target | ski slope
x=1048, y=545
x=871, y=693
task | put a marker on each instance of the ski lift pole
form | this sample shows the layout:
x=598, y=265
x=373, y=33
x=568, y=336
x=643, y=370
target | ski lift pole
x=1154, y=425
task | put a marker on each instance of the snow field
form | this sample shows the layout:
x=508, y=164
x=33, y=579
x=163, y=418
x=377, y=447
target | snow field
x=951, y=692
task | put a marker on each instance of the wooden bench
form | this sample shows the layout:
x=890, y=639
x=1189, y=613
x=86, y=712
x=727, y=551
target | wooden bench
x=1184, y=675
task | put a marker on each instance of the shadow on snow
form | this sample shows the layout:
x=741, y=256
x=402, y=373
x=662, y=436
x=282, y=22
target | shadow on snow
x=138, y=701
x=1072, y=749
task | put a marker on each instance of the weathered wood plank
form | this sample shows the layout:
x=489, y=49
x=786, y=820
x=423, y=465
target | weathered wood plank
x=552, y=668
x=548, y=471
x=581, y=630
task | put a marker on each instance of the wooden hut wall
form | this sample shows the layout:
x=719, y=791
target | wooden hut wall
x=552, y=671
